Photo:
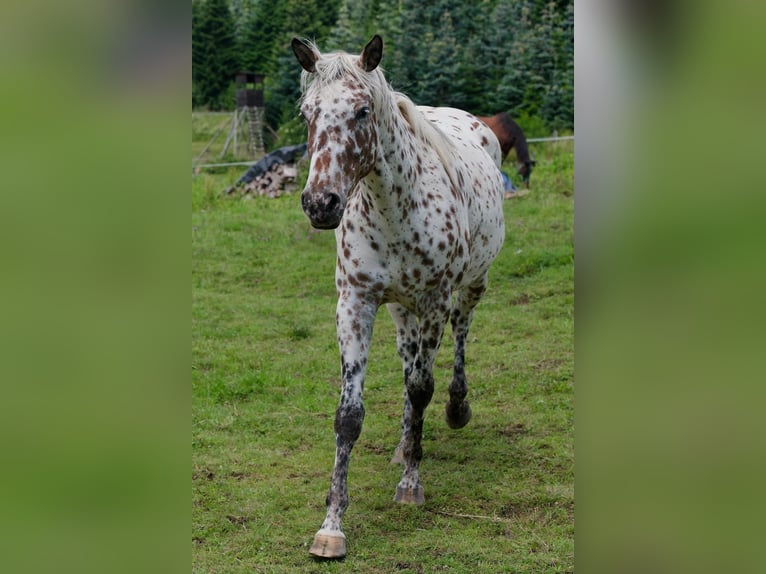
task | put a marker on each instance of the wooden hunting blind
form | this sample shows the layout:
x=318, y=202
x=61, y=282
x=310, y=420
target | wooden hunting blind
x=249, y=89
x=249, y=115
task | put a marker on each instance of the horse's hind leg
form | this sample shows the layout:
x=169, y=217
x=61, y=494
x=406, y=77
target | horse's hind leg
x=407, y=347
x=457, y=410
x=419, y=381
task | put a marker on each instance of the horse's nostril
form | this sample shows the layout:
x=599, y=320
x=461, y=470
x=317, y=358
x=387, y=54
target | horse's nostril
x=304, y=201
x=332, y=201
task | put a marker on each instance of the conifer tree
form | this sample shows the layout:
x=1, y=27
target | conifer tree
x=214, y=53
x=260, y=34
x=557, y=105
x=484, y=56
x=327, y=14
x=515, y=73
x=241, y=12
x=196, y=49
x=385, y=21
x=438, y=79
x=475, y=70
x=300, y=21
x=349, y=32
x=410, y=53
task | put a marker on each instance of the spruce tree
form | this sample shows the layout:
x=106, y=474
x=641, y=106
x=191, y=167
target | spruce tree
x=557, y=106
x=196, y=49
x=349, y=33
x=484, y=56
x=386, y=23
x=515, y=72
x=409, y=56
x=438, y=79
x=327, y=14
x=214, y=54
x=284, y=84
x=241, y=12
x=475, y=74
x=259, y=37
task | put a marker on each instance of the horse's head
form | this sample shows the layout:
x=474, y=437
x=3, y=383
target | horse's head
x=339, y=108
x=525, y=170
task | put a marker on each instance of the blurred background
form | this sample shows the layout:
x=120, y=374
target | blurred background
x=94, y=297
x=669, y=202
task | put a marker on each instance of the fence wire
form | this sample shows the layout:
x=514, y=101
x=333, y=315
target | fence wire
x=248, y=163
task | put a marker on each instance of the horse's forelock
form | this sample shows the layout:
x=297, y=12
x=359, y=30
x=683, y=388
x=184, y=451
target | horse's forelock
x=334, y=66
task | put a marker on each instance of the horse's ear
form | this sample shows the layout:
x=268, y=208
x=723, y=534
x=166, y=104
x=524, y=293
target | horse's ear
x=305, y=54
x=372, y=54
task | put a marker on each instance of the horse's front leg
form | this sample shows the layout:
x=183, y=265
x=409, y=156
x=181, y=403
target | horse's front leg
x=419, y=381
x=354, y=319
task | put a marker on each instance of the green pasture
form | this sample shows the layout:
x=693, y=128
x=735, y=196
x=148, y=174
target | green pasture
x=265, y=380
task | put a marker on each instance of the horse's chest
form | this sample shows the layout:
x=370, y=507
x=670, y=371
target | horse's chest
x=401, y=261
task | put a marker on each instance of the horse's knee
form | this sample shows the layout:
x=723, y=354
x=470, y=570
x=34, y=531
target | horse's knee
x=348, y=422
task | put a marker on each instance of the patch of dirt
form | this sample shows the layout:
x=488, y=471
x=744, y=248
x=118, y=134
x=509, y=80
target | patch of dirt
x=375, y=448
x=204, y=473
x=547, y=365
x=533, y=509
x=514, y=430
x=522, y=299
x=408, y=566
x=239, y=475
x=237, y=519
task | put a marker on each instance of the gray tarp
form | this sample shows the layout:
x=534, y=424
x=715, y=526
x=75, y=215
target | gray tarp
x=287, y=154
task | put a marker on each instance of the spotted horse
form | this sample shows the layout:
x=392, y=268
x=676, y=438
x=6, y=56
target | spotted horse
x=415, y=197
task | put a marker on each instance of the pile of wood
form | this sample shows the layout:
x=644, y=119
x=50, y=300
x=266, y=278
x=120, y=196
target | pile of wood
x=273, y=175
x=273, y=183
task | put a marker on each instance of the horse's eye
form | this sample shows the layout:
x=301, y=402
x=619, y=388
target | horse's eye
x=302, y=115
x=362, y=113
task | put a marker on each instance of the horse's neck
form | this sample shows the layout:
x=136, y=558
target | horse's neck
x=522, y=152
x=396, y=174
x=519, y=142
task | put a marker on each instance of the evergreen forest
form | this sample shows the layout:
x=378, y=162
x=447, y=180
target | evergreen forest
x=484, y=56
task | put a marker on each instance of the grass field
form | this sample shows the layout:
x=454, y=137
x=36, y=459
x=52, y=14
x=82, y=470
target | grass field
x=265, y=378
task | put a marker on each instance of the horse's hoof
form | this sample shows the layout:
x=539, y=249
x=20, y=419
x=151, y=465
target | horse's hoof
x=328, y=545
x=398, y=457
x=457, y=415
x=410, y=495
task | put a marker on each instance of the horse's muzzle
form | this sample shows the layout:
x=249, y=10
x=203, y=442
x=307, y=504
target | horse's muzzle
x=324, y=209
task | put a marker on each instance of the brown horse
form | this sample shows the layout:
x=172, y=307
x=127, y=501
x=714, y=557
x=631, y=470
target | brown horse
x=510, y=135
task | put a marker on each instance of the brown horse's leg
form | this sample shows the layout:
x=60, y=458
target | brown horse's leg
x=457, y=410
